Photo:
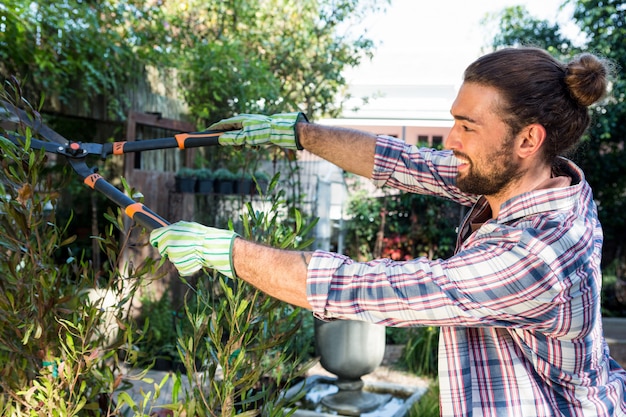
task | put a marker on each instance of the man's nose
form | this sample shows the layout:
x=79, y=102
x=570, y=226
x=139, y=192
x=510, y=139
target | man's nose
x=452, y=141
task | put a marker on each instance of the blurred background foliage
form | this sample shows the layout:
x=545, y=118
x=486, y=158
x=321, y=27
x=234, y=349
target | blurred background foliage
x=223, y=56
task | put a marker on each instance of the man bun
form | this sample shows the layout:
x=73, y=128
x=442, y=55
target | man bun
x=586, y=77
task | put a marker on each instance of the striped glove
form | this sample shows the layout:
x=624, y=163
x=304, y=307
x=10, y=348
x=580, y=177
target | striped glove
x=192, y=246
x=255, y=129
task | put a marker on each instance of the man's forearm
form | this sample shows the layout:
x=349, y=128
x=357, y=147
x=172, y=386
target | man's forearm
x=349, y=149
x=278, y=273
x=282, y=273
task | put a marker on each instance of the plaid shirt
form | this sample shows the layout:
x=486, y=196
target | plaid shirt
x=518, y=303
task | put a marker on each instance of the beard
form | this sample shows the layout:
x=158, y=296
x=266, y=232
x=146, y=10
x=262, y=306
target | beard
x=498, y=172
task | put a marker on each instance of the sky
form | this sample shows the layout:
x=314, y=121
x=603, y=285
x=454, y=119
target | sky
x=432, y=42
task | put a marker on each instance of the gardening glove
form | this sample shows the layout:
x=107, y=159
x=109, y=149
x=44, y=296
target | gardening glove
x=192, y=246
x=255, y=129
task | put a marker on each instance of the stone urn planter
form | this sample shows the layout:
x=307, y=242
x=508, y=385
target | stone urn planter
x=350, y=349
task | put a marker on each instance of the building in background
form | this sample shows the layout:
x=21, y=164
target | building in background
x=417, y=114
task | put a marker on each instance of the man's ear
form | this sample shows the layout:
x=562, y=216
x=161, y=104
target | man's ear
x=530, y=140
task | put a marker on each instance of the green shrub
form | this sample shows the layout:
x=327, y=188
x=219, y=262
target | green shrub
x=159, y=339
x=204, y=174
x=58, y=352
x=420, y=354
x=58, y=356
x=251, y=338
x=186, y=172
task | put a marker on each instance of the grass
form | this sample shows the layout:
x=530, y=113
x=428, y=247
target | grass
x=428, y=405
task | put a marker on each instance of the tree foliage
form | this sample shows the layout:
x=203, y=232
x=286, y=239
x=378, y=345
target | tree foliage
x=401, y=227
x=245, y=57
x=229, y=57
x=518, y=27
x=67, y=51
x=602, y=154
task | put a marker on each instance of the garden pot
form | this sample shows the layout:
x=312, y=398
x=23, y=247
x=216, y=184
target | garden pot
x=204, y=186
x=350, y=349
x=185, y=185
x=225, y=186
x=244, y=186
x=262, y=185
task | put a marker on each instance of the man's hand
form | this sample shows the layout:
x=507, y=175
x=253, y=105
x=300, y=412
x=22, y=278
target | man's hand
x=192, y=246
x=255, y=129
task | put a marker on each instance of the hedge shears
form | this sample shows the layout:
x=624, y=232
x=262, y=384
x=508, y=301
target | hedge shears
x=77, y=152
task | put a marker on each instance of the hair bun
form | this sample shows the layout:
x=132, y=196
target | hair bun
x=586, y=78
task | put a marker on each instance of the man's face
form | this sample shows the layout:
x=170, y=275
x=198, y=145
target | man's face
x=482, y=143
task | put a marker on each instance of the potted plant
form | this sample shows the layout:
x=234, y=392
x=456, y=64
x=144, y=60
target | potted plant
x=261, y=180
x=224, y=181
x=204, y=184
x=244, y=184
x=186, y=180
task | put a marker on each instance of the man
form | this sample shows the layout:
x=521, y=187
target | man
x=518, y=303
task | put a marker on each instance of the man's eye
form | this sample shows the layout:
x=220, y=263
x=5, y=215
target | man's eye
x=467, y=129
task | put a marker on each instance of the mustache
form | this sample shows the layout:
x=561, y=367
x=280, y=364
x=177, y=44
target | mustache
x=461, y=155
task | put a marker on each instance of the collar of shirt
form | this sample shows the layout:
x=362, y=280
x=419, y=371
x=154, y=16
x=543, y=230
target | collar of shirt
x=562, y=192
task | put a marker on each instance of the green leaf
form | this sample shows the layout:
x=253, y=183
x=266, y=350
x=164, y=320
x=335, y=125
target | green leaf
x=176, y=388
x=68, y=241
x=29, y=330
x=123, y=398
x=241, y=308
x=92, y=406
x=38, y=331
x=69, y=341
